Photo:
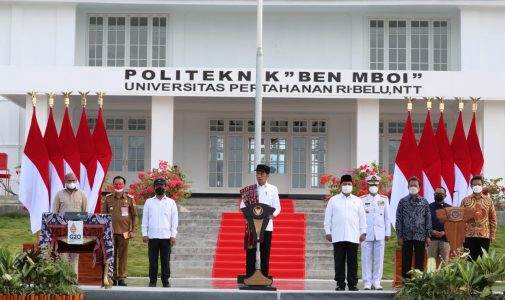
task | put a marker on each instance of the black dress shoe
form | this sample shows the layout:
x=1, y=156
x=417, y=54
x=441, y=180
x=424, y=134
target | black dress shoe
x=114, y=282
x=353, y=288
x=340, y=288
x=152, y=284
x=166, y=284
x=121, y=282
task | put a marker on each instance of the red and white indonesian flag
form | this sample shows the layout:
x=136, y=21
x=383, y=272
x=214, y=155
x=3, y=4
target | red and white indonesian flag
x=430, y=157
x=34, y=181
x=103, y=153
x=474, y=148
x=446, y=159
x=71, y=156
x=462, y=163
x=56, y=165
x=88, y=161
x=408, y=163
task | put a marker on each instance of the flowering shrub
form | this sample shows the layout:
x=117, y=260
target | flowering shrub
x=177, y=186
x=359, y=176
x=495, y=191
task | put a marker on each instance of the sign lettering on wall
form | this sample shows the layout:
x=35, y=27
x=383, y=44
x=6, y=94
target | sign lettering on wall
x=240, y=82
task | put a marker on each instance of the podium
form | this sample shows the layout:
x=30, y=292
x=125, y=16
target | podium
x=97, y=247
x=257, y=216
x=455, y=219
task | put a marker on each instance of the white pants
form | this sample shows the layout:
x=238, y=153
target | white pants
x=372, y=251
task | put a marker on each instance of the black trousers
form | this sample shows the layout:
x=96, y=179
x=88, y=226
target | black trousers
x=162, y=248
x=342, y=252
x=408, y=247
x=475, y=245
x=264, y=255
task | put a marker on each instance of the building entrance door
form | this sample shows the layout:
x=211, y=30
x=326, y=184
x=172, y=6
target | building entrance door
x=129, y=156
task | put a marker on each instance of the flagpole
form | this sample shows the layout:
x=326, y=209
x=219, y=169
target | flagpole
x=259, y=72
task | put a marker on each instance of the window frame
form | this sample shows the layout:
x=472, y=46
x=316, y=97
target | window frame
x=408, y=62
x=127, y=45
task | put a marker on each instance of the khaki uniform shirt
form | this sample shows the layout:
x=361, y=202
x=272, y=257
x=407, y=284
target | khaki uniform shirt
x=123, y=211
x=70, y=201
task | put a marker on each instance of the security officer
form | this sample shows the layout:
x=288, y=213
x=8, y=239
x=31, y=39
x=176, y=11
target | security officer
x=378, y=231
x=124, y=224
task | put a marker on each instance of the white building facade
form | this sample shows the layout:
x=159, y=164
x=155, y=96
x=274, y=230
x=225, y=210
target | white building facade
x=212, y=137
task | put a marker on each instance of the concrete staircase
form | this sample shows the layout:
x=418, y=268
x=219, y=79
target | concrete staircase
x=318, y=251
x=10, y=204
x=199, y=220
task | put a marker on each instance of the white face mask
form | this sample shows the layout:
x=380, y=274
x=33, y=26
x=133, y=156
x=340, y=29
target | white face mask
x=477, y=189
x=346, y=189
x=71, y=185
x=119, y=191
x=373, y=189
x=413, y=190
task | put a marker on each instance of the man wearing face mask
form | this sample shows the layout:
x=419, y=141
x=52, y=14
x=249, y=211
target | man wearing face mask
x=345, y=226
x=123, y=209
x=70, y=199
x=378, y=231
x=439, y=247
x=413, y=227
x=159, y=229
x=482, y=229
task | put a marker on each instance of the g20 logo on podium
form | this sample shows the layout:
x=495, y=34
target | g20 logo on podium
x=75, y=232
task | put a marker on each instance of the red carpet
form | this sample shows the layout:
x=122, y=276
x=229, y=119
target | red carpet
x=287, y=256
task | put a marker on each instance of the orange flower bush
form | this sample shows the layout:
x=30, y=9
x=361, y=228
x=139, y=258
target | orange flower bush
x=359, y=176
x=177, y=186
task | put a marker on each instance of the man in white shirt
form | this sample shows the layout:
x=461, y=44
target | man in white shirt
x=263, y=193
x=378, y=231
x=345, y=227
x=159, y=229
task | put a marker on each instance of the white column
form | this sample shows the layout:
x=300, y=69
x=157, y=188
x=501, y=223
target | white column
x=162, y=130
x=367, y=131
x=42, y=113
x=492, y=142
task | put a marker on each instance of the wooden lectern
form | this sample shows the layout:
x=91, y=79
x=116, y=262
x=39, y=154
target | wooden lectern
x=98, y=245
x=455, y=219
x=258, y=215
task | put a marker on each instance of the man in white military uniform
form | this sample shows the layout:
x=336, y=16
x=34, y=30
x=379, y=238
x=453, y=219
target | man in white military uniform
x=378, y=231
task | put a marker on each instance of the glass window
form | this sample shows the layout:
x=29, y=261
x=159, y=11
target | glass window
x=159, y=42
x=235, y=125
x=299, y=179
x=216, y=125
x=377, y=44
x=116, y=144
x=136, y=124
x=408, y=45
x=250, y=126
x=279, y=126
x=216, y=161
x=136, y=153
x=278, y=155
x=138, y=41
x=116, y=31
x=95, y=41
x=114, y=124
x=127, y=40
x=250, y=153
x=318, y=126
x=91, y=123
x=299, y=126
x=318, y=160
x=394, y=145
x=235, y=161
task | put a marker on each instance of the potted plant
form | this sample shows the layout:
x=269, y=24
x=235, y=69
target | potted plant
x=177, y=185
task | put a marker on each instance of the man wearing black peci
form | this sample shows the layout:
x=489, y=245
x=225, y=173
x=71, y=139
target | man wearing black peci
x=261, y=192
